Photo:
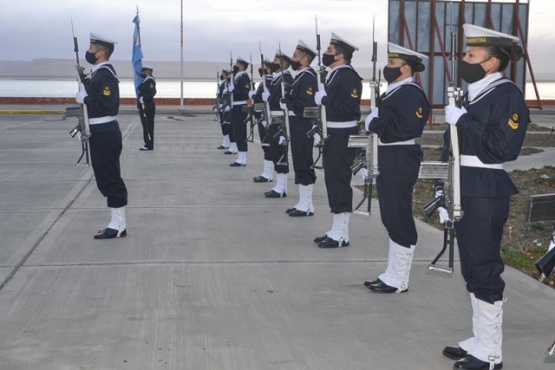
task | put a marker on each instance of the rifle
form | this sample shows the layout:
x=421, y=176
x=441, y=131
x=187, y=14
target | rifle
x=250, y=108
x=369, y=158
x=81, y=112
x=319, y=114
x=451, y=198
x=266, y=110
x=284, y=90
x=217, y=101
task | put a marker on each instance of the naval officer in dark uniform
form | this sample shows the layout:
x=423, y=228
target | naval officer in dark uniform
x=491, y=128
x=240, y=87
x=341, y=96
x=301, y=96
x=278, y=143
x=147, y=107
x=101, y=95
x=400, y=117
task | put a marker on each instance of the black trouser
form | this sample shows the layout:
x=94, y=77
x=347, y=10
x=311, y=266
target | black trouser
x=263, y=132
x=301, y=150
x=399, y=166
x=147, y=112
x=278, y=153
x=337, y=161
x=105, y=146
x=225, y=127
x=239, y=127
x=479, y=235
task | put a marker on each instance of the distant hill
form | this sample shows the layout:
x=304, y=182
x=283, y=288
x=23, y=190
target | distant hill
x=65, y=68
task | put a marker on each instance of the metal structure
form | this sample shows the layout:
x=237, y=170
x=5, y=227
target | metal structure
x=425, y=25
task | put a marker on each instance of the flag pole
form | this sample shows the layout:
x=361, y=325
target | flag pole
x=181, y=100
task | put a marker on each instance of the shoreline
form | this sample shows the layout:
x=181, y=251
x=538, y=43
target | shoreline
x=176, y=101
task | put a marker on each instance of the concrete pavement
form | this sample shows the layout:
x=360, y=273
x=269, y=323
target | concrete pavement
x=212, y=275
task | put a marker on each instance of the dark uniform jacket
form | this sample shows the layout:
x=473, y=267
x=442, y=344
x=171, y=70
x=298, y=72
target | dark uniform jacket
x=275, y=89
x=343, y=88
x=242, y=84
x=493, y=130
x=147, y=89
x=103, y=92
x=302, y=91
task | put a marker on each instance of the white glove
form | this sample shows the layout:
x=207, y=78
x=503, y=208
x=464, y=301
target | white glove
x=79, y=136
x=443, y=215
x=227, y=109
x=319, y=96
x=452, y=114
x=230, y=87
x=374, y=114
x=80, y=96
x=363, y=173
x=281, y=140
x=141, y=100
x=282, y=105
x=317, y=139
x=439, y=192
x=265, y=96
x=251, y=94
x=265, y=123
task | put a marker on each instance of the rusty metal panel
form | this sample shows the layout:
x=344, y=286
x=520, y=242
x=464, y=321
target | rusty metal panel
x=425, y=26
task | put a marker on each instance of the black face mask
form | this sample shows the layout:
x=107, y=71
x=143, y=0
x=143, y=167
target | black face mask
x=90, y=57
x=274, y=66
x=328, y=59
x=235, y=69
x=471, y=72
x=295, y=65
x=391, y=73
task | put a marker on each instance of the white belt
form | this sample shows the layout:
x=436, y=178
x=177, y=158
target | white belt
x=348, y=124
x=279, y=113
x=408, y=142
x=240, y=102
x=473, y=161
x=98, y=120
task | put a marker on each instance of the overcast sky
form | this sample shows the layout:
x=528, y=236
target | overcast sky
x=32, y=29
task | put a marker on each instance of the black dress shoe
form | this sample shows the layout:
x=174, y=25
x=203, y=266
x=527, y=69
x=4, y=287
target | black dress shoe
x=275, y=194
x=454, y=353
x=261, y=179
x=289, y=210
x=381, y=287
x=222, y=147
x=367, y=283
x=237, y=164
x=145, y=149
x=229, y=152
x=331, y=243
x=319, y=239
x=471, y=362
x=297, y=213
x=108, y=233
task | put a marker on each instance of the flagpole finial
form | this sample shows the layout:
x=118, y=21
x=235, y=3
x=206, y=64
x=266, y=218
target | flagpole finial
x=137, y=9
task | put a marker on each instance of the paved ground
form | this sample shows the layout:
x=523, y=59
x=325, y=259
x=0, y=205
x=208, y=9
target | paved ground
x=213, y=275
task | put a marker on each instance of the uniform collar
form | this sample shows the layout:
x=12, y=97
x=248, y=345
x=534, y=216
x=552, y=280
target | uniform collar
x=395, y=85
x=474, y=89
x=97, y=66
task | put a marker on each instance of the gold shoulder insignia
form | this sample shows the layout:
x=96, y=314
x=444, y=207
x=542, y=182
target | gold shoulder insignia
x=309, y=91
x=354, y=94
x=513, y=122
x=107, y=91
x=419, y=113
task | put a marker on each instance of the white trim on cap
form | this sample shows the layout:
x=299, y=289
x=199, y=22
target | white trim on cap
x=471, y=30
x=98, y=37
x=302, y=44
x=394, y=48
x=335, y=36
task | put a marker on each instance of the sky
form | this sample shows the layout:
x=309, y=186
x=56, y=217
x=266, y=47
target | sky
x=33, y=29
